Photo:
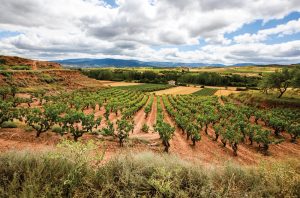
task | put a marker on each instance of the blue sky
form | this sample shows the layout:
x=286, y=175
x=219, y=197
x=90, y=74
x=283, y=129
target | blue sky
x=257, y=25
x=207, y=31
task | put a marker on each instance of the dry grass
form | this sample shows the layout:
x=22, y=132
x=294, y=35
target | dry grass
x=225, y=92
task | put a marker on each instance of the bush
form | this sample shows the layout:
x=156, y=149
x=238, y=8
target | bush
x=72, y=172
x=9, y=124
x=57, y=129
x=145, y=128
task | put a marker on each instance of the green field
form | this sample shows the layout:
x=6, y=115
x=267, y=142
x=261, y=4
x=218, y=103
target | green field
x=206, y=92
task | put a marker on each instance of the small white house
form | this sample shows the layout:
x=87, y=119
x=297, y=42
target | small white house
x=172, y=82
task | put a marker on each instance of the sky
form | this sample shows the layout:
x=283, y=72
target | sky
x=191, y=31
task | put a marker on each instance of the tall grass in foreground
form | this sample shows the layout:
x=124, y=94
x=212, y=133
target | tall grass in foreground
x=70, y=174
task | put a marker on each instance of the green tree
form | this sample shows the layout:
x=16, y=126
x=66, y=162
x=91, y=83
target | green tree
x=4, y=92
x=123, y=129
x=41, y=120
x=280, y=80
x=294, y=131
x=77, y=123
x=166, y=132
x=217, y=128
x=193, y=130
x=262, y=137
x=7, y=111
x=108, y=130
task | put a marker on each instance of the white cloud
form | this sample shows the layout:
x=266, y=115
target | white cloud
x=91, y=28
x=292, y=27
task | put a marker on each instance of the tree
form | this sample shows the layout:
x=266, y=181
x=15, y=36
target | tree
x=7, y=111
x=250, y=131
x=107, y=112
x=296, y=77
x=42, y=120
x=4, y=92
x=203, y=121
x=279, y=80
x=232, y=135
x=77, y=123
x=166, y=132
x=294, y=131
x=277, y=123
x=108, y=130
x=123, y=129
x=217, y=128
x=14, y=90
x=193, y=130
x=262, y=137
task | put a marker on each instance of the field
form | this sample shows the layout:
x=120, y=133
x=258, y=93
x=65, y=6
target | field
x=117, y=84
x=177, y=90
x=205, y=92
x=187, y=137
x=146, y=87
x=98, y=110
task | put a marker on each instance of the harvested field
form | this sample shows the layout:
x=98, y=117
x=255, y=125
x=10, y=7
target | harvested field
x=178, y=90
x=225, y=92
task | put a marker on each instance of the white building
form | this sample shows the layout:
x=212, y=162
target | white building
x=172, y=82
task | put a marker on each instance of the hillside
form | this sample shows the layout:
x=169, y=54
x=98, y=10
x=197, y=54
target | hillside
x=32, y=74
x=18, y=63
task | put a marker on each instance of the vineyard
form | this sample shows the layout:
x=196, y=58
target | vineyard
x=205, y=92
x=146, y=87
x=122, y=113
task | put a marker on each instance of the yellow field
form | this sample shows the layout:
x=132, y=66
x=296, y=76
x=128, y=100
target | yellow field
x=178, y=90
x=225, y=92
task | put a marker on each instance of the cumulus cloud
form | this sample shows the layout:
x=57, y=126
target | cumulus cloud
x=292, y=27
x=93, y=28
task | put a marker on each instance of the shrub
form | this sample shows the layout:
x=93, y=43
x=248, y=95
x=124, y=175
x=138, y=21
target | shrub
x=57, y=129
x=73, y=171
x=145, y=128
x=9, y=124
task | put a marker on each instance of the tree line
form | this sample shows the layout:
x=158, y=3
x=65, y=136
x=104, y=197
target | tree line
x=182, y=78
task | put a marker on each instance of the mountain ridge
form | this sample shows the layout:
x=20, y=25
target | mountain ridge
x=111, y=62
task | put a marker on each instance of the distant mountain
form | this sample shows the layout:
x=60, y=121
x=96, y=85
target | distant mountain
x=244, y=64
x=108, y=62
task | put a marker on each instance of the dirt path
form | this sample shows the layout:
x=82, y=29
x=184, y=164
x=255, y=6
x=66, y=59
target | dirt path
x=178, y=144
x=151, y=119
x=140, y=119
x=9, y=145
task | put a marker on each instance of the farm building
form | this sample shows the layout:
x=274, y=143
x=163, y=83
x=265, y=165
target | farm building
x=172, y=82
